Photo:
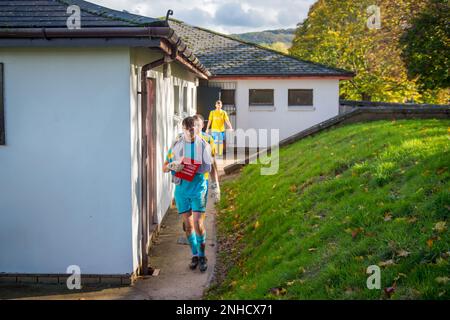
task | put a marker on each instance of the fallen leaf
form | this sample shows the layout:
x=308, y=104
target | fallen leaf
x=349, y=291
x=278, y=291
x=399, y=276
x=431, y=241
x=412, y=219
x=293, y=188
x=440, y=227
x=442, y=280
x=356, y=232
x=256, y=226
x=386, y=263
x=312, y=249
x=389, y=291
x=403, y=253
x=387, y=217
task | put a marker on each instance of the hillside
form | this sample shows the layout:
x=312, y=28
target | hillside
x=364, y=194
x=268, y=37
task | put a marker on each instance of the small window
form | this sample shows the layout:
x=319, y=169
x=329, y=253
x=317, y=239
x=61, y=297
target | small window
x=2, y=118
x=227, y=96
x=300, y=97
x=261, y=97
x=176, y=100
x=193, y=106
x=185, y=100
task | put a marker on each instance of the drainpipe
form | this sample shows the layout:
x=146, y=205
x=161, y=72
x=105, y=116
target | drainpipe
x=150, y=156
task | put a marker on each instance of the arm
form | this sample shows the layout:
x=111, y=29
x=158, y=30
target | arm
x=209, y=121
x=229, y=124
x=166, y=166
x=215, y=172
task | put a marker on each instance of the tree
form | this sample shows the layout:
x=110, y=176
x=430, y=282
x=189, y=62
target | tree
x=426, y=46
x=278, y=46
x=335, y=33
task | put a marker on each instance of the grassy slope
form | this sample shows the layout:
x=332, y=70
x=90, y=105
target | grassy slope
x=359, y=195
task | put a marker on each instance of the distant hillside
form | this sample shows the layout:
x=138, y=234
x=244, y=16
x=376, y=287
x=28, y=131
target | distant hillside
x=268, y=37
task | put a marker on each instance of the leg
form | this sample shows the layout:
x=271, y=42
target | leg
x=188, y=222
x=199, y=224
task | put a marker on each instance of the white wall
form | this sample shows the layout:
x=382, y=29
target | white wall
x=288, y=120
x=168, y=125
x=65, y=171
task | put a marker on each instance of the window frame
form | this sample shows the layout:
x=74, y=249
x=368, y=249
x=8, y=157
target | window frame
x=301, y=105
x=222, y=91
x=176, y=100
x=185, y=101
x=253, y=104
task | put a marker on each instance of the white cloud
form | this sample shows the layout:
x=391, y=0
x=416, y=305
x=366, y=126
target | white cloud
x=227, y=16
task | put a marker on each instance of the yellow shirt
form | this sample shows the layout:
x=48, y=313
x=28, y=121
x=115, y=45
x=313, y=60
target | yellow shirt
x=218, y=118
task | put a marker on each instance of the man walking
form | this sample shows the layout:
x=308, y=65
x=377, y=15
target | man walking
x=191, y=186
x=217, y=120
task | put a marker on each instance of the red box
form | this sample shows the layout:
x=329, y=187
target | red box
x=189, y=170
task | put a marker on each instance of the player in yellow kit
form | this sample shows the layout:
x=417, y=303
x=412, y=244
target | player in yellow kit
x=217, y=120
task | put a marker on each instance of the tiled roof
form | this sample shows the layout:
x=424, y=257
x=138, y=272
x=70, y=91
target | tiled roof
x=53, y=13
x=225, y=55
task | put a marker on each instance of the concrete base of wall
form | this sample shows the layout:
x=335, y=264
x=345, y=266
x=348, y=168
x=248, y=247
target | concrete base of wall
x=27, y=278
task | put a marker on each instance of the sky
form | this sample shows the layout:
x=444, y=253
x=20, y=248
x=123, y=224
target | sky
x=225, y=16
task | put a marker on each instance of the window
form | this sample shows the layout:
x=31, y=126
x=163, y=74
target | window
x=176, y=100
x=185, y=100
x=193, y=106
x=227, y=96
x=261, y=97
x=2, y=118
x=300, y=97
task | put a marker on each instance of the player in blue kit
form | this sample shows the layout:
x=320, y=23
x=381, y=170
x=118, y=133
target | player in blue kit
x=190, y=195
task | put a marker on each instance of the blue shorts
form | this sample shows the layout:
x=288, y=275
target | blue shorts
x=218, y=136
x=191, y=196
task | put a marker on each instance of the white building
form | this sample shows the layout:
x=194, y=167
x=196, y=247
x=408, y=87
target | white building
x=72, y=178
x=262, y=88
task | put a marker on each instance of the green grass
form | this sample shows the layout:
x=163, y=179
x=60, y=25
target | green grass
x=359, y=195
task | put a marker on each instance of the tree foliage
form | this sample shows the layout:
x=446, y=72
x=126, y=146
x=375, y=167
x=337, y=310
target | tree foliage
x=335, y=33
x=427, y=46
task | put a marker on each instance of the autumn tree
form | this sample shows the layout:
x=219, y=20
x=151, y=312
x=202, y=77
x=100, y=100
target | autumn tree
x=426, y=46
x=336, y=33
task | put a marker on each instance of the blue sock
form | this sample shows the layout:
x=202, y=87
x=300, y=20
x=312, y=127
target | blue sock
x=201, y=243
x=193, y=242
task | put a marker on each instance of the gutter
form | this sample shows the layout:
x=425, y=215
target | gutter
x=309, y=76
x=176, y=43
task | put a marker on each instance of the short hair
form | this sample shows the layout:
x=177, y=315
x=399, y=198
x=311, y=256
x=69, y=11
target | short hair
x=199, y=117
x=188, y=123
x=219, y=101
